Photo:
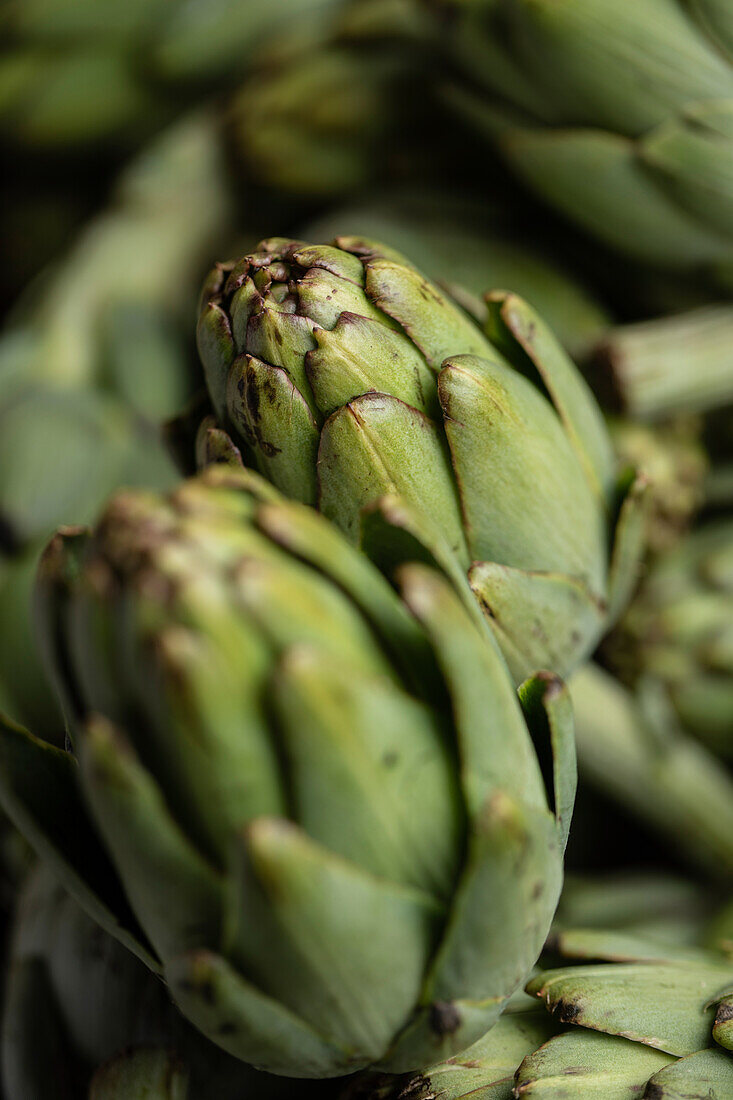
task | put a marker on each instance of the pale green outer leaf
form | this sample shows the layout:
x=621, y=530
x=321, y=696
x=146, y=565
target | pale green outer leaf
x=485, y=1071
x=541, y=620
x=513, y=867
x=579, y=1064
x=393, y=533
x=355, y=746
x=303, y=534
x=628, y=546
x=242, y=1020
x=547, y=708
x=529, y=344
x=177, y=895
x=289, y=603
x=207, y=732
x=524, y=494
x=378, y=446
x=495, y=750
x=301, y=923
x=706, y=1075
x=663, y=1005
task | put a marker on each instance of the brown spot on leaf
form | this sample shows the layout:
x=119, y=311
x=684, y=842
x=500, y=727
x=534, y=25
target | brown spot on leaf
x=567, y=1011
x=444, y=1018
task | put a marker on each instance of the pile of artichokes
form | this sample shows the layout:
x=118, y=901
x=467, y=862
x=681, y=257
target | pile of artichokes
x=366, y=629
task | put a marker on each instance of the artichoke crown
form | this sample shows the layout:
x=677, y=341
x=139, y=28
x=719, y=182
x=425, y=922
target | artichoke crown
x=316, y=808
x=356, y=385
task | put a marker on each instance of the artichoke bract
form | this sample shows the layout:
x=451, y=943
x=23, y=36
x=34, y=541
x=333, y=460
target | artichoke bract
x=315, y=807
x=356, y=385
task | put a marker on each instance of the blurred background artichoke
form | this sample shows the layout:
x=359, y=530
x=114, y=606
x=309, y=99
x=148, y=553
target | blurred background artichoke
x=575, y=155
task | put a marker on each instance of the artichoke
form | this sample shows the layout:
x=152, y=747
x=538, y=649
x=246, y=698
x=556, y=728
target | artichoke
x=353, y=383
x=678, y=632
x=76, y=73
x=83, y=1017
x=90, y=360
x=316, y=810
x=618, y=115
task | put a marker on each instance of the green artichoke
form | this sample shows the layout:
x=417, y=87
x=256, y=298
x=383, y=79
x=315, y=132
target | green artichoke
x=83, y=1017
x=322, y=115
x=353, y=383
x=77, y=73
x=316, y=810
x=678, y=632
x=620, y=115
x=109, y=312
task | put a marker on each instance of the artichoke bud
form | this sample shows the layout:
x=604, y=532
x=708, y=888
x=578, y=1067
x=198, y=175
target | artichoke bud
x=678, y=632
x=345, y=377
x=672, y=457
x=322, y=797
x=554, y=88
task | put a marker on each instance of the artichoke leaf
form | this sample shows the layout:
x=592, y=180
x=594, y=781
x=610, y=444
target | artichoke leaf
x=531, y=347
x=242, y=1020
x=596, y=1067
x=299, y=923
x=176, y=892
x=40, y=792
x=539, y=619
